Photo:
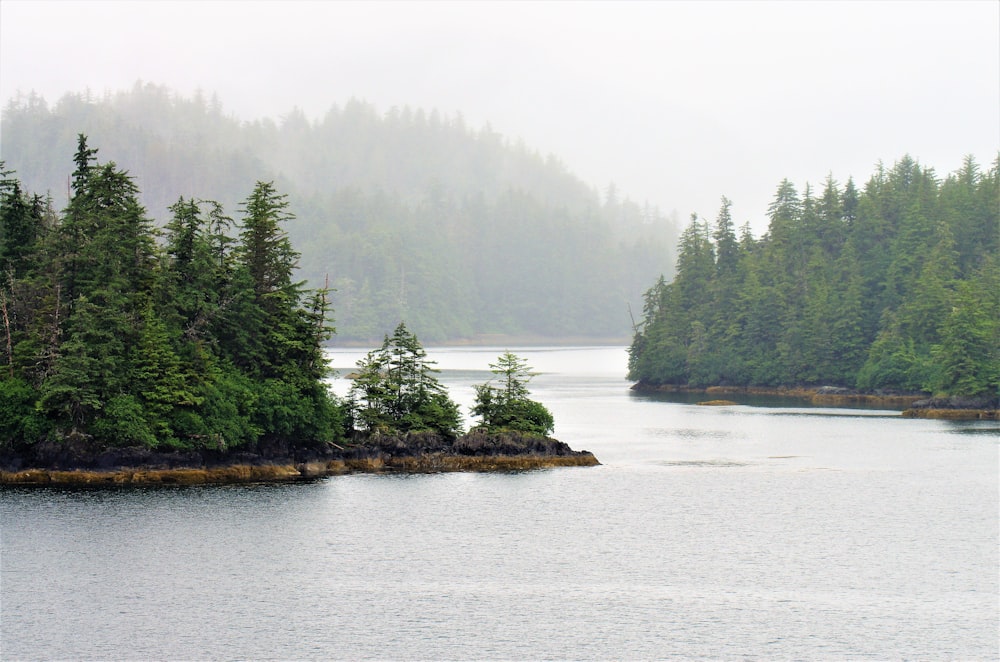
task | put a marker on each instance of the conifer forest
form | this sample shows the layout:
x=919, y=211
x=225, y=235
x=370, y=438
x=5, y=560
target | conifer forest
x=196, y=336
x=193, y=336
x=206, y=328
x=893, y=288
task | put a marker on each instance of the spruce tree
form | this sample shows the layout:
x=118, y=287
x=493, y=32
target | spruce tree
x=868, y=288
x=115, y=341
x=507, y=406
x=396, y=390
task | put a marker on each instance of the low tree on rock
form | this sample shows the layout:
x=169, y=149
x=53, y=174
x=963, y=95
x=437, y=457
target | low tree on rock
x=506, y=406
x=396, y=390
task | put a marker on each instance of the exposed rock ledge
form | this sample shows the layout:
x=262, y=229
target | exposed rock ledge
x=956, y=408
x=913, y=405
x=818, y=395
x=75, y=465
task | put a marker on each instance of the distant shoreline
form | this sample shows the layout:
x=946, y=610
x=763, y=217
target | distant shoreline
x=911, y=405
x=501, y=340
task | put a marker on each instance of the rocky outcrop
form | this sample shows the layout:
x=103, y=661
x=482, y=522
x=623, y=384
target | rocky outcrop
x=75, y=463
x=832, y=396
x=912, y=405
x=956, y=408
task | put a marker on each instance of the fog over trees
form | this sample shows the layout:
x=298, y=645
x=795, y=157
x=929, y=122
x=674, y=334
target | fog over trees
x=405, y=213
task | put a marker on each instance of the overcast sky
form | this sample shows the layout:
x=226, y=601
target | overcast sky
x=677, y=103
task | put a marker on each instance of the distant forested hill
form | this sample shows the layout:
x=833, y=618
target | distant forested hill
x=893, y=287
x=410, y=214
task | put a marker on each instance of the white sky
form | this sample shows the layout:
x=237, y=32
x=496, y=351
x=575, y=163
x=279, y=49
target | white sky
x=678, y=103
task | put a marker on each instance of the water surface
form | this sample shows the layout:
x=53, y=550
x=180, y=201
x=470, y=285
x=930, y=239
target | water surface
x=784, y=532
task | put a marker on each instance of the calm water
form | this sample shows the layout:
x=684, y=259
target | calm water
x=742, y=532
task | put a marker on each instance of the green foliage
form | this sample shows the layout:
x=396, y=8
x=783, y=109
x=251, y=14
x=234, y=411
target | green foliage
x=967, y=359
x=203, y=342
x=265, y=250
x=225, y=417
x=895, y=363
x=395, y=390
x=21, y=226
x=20, y=420
x=890, y=288
x=507, y=405
x=123, y=422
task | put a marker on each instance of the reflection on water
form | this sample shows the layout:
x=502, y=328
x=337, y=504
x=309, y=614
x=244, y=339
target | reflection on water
x=989, y=428
x=720, y=533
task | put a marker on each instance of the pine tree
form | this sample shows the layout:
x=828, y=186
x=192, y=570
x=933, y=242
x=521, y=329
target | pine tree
x=21, y=225
x=853, y=288
x=112, y=339
x=396, y=390
x=967, y=359
x=507, y=405
x=726, y=246
x=265, y=249
x=105, y=274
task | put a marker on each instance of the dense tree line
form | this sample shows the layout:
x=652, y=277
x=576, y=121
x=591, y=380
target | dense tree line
x=195, y=336
x=202, y=340
x=894, y=287
x=507, y=406
x=414, y=215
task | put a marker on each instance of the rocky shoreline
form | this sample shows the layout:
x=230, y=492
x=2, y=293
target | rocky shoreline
x=956, y=408
x=74, y=464
x=912, y=405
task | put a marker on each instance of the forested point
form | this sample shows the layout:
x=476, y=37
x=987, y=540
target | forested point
x=116, y=334
x=121, y=340
x=893, y=288
x=412, y=214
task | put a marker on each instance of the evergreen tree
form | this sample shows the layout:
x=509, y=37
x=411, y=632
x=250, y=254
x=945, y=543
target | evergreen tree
x=113, y=340
x=21, y=225
x=507, y=405
x=106, y=277
x=853, y=289
x=265, y=249
x=967, y=359
x=396, y=391
x=274, y=336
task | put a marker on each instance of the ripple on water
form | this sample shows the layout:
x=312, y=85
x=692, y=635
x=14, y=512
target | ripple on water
x=693, y=433
x=708, y=464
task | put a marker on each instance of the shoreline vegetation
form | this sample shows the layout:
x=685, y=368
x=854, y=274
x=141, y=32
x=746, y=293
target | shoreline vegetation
x=892, y=287
x=191, y=354
x=911, y=405
x=476, y=451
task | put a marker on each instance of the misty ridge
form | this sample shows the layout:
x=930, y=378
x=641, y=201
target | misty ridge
x=406, y=214
x=411, y=215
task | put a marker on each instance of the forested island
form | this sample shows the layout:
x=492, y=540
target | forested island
x=412, y=214
x=885, y=291
x=132, y=354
